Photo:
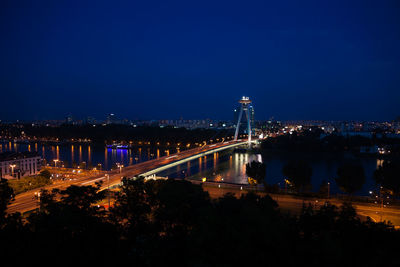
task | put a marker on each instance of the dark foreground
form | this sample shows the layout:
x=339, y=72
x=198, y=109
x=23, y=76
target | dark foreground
x=175, y=223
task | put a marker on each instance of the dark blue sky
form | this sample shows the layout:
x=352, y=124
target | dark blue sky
x=195, y=59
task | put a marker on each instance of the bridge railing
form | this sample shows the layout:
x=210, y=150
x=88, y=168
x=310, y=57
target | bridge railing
x=201, y=154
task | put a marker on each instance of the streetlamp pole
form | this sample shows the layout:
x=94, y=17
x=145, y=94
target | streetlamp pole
x=286, y=184
x=329, y=185
x=108, y=190
x=37, y=196
x=120, y=167
x=12, y=169
x=381, y=198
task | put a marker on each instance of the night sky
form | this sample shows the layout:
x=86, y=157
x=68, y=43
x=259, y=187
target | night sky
x=195, y=59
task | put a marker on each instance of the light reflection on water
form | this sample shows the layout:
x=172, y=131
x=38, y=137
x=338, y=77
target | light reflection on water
x=91, y=154
x=224, y=166
x=215, y=167
x=230, y=167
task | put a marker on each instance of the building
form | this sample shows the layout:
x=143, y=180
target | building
x=111, y=119
x=90, y=120
x=69, y=119
x=19, y=164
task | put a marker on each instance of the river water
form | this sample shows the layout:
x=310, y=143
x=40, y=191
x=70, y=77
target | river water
x=228, y=166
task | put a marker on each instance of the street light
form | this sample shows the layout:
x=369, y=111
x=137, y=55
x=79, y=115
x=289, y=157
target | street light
x=37, y=197
x=108, y=189
x=120, y=167
x=329, y=185
x=55, y=162
x=12, y=169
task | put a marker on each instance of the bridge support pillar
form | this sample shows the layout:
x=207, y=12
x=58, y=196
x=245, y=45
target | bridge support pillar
x=244, y=106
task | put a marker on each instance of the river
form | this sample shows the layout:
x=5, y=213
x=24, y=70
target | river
x=228, y=166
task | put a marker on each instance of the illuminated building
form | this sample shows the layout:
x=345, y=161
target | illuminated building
x=13, y=164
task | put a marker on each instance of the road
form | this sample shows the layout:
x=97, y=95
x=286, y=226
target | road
x=287, y=203
x=26, y=201
x=293, y=204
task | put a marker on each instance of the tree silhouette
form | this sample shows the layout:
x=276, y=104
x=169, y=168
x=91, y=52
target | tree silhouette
x=6, y=196
x=387, y=175
x=45, y=173
x=131, y=211
x=256, y=170
x=175, y=223
x=71, y=219
x=176, y=204
x=351, y=177
x=298, y=173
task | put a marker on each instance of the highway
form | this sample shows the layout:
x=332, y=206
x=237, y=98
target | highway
x=26, y=201
x=293, y=204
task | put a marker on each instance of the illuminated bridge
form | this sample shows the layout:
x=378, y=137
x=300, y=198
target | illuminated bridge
x=155, y=166
x=26, y=201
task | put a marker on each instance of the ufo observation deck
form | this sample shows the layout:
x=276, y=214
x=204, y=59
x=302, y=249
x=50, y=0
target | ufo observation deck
x=245, y=100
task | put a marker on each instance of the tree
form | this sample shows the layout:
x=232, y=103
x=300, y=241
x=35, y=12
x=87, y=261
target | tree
x=351, y=177
x=298, y=173
x=6, y=196
x=176, y=204
x=72, y=219
x=256, y=170
x=83, y=197
x=45, y=173
x=131, y=209
x=388, y=175
x=323, y=188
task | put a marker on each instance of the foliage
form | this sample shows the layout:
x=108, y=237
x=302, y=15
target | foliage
x=45, y=173
x=6, y=196
x=71, y=220
x=313, y=142
x=388, y=175
x=351, y=177
x=118, y=132
x=323, y=189
x=130, y=212
x=298, y=173
x=28, y=183
x=175, y=223
x=256, y=170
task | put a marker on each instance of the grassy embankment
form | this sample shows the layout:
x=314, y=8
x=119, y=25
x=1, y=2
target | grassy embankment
x=28, y=183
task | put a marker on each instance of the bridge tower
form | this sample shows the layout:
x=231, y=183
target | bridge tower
x=244, y=106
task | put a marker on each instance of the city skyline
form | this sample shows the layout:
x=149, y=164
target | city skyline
x=200, y=133
x=314, y=61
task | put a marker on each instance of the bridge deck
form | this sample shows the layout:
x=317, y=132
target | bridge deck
x=26, y=201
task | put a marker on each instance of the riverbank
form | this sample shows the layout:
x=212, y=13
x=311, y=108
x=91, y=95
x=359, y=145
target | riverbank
x=294, y=204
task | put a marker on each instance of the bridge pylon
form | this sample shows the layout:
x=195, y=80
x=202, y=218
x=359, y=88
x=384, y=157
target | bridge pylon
x=244, y=106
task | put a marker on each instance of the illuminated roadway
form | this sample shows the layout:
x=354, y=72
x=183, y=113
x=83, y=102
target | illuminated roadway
x=26, y=201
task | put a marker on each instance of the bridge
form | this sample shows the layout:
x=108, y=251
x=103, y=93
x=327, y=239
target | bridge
x=155, y=166
x=192, y=154
x=26, y=201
